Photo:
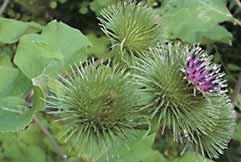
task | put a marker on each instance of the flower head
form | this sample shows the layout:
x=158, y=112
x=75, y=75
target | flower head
x=204, y=75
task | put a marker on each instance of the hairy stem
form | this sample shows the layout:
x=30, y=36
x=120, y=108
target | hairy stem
x=3, y=7
x=51, y=138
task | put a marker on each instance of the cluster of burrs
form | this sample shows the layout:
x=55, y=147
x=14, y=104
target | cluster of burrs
x=204, y=118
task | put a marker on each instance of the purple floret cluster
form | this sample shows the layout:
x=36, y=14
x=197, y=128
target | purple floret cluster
x=204, y=75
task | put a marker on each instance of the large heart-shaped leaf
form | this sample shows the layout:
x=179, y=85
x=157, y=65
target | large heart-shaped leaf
x=57, y=46
x=195, y=20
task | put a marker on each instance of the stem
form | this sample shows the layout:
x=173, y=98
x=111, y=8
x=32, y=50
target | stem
x=51, y=138
x=45, y=130
x=3, y=7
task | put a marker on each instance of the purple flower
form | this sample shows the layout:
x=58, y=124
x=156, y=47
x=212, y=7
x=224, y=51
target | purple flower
x=204, y=75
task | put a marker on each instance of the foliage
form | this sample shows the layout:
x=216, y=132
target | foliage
x=35, y=65
x=10, y=35
x=200, y=20
x=50, y=51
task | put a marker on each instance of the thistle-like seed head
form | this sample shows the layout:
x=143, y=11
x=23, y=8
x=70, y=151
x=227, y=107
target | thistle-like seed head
x=168, y=96
x=131, y=26
x=96, y=104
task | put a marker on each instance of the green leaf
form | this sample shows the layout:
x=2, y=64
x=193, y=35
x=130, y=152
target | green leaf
x=6, y=82
x=39, y=54
x=21, y=152
x=11, y=30
x=27, y=146
x=14, y=86
x=13, y=82
x=140, y=151
x=66, y=40
x=196, y=20
x=57, y=46
x=14, y=114
x=5, y=58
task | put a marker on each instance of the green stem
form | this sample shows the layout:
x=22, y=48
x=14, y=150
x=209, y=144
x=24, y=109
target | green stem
x=51, y=138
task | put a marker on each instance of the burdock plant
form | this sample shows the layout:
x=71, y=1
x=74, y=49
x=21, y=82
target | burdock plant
x=170, y=91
